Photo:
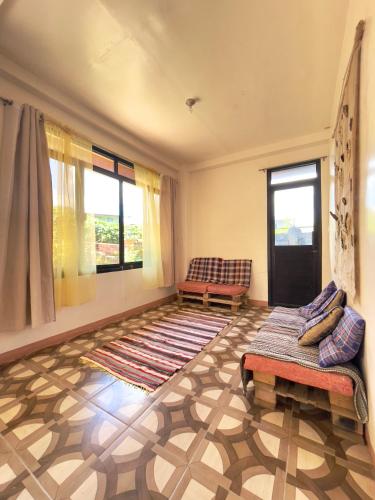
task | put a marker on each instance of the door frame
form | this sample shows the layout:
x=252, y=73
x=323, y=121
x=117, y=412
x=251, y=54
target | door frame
x=317, y=236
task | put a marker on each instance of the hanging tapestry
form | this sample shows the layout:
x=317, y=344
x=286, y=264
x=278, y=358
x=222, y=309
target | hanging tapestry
x=346, y=172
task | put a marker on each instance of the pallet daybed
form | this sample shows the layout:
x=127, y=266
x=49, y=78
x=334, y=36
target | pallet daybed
x=215, y=280
x=278, y=365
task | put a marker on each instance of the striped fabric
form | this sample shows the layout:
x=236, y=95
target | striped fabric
x=314, y=308
x=149, y=356
x=236, y=272
x=278, y=341
x=344, y=342
x=206, y=269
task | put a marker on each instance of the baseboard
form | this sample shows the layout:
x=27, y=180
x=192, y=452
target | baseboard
x=257, y=303
x=21, y=352
x=369, y=444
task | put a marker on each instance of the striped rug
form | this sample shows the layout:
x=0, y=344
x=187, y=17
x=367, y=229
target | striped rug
x=149, y=356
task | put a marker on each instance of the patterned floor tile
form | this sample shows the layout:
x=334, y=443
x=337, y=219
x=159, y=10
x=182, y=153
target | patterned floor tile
x=317, y=474
x=123, y=401
x=133, y=467
x=71, y=431
x=31, y=413
x=14, y=477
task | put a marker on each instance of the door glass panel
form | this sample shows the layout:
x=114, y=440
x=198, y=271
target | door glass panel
x=296, y=174
x=294, y=216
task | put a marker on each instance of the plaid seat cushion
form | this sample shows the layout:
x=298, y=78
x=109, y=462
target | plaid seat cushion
x=236, y=272
x=344, y=342
x=205, y=269
x=312, y=309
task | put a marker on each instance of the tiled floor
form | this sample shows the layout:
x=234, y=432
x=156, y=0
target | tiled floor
x=68, y=431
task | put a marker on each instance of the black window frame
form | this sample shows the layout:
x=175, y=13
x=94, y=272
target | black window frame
x=122, y=265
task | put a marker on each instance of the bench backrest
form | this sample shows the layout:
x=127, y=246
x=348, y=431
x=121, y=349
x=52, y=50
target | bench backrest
x=217, y=270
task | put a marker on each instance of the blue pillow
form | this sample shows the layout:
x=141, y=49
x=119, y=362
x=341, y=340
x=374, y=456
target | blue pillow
x=310, y=310
x=344, y=342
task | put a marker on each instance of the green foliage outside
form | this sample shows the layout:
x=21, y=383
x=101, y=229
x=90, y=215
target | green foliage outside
x=107, y=232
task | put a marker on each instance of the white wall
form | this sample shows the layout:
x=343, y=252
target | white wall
x=227, y=214
x=364, y=302
x=118, y=291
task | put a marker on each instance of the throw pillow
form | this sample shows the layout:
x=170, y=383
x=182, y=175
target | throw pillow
x=314, y=330
x=309, y=311
x=344, y=342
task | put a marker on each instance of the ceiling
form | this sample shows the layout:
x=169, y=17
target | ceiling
x=264, y=70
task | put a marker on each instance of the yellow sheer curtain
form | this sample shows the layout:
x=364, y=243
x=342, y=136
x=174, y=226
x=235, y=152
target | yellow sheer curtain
x=74, y=259
x=149, y=182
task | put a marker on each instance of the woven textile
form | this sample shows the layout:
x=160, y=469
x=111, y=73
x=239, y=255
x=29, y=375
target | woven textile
x=149, y=356
x=346, y=167
x=344, y=342
x=205, y=269
x=312, y=309
x=280, y=342
x=236, y=272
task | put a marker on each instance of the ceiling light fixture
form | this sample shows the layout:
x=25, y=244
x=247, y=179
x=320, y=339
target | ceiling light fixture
x=190, y=102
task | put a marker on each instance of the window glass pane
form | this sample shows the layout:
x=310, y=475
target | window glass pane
x=125, y=170
x=294, y=174
x=133, y=217
x=103, y=162
x=102, y=199
x=294, y=216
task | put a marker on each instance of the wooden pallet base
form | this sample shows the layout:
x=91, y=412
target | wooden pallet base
x=208, y=298
x=341, y=408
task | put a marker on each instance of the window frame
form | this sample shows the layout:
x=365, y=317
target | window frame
x=122, y=265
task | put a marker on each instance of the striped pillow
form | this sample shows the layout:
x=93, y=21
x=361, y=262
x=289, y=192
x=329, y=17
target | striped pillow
x=310, y=310
x=314, y=330
x=344, y=342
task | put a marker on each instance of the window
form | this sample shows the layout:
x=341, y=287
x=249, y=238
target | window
x=111, y=194
x=294, y=174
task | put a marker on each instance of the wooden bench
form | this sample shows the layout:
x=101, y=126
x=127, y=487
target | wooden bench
x=213, y=280
x=329, y=391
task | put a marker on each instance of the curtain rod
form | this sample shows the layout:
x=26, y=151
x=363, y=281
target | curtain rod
x=296, y=164
x=9, y=102
x=6, y=101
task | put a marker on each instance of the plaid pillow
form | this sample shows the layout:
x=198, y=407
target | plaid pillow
x=207, y=269
x=310, y=310
x=197, y=269
x=214, y=269
x=344, y=342
x=236, y=272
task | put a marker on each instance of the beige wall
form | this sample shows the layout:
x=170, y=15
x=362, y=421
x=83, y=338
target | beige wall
x=228, y=212
x=117, y=291
x=365, y=300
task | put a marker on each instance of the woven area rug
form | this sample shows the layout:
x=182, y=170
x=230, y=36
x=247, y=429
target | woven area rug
x=148, y=357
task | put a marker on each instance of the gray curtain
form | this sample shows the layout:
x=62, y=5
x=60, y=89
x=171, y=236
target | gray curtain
x=168, y=193
x=26, y=276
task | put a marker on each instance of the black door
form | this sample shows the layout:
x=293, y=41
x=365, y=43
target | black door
x=294, y=234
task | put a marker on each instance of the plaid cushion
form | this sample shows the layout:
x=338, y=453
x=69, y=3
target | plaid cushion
x=344, y=342
x=311, y=310
x=236, y=272
x=206, y=269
